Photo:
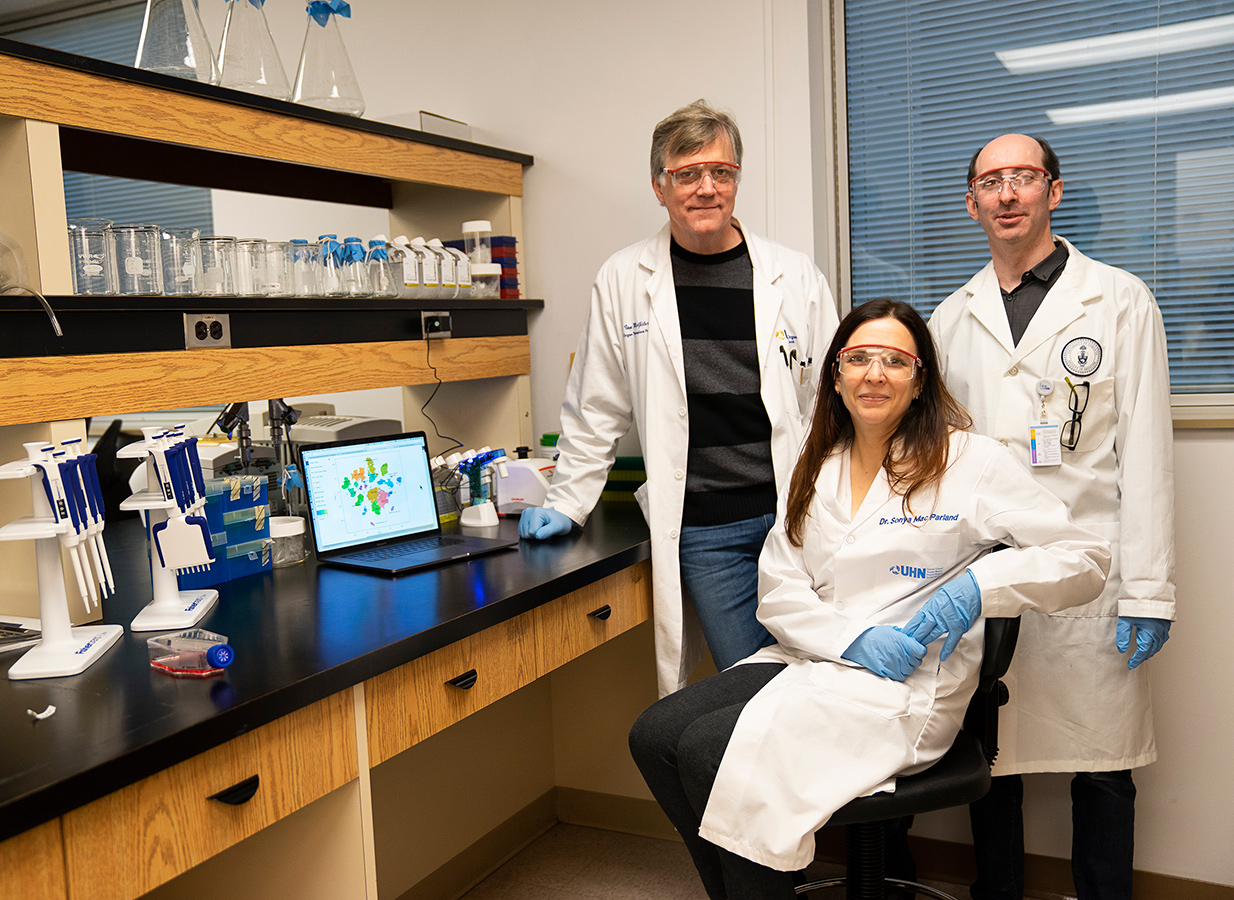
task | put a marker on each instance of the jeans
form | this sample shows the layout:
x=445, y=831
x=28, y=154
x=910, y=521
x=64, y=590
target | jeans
x=1102, y=837
x=719, y=568
x=678, y=744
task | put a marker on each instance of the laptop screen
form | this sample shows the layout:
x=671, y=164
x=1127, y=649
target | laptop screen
x=366, y=491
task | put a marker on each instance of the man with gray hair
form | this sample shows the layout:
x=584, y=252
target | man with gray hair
x=704, y=335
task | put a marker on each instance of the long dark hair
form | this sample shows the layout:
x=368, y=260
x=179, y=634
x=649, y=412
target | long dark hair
x=917, y=454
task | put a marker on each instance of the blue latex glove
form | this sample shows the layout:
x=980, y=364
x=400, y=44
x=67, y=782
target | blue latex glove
x=886, y=651
x=1150, y=636
x=540, y=522
x=952, y=611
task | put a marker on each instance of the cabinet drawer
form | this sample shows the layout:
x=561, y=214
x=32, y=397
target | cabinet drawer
x=583, y=620
x=416, y=700
x=139, y=837
x=32, y=864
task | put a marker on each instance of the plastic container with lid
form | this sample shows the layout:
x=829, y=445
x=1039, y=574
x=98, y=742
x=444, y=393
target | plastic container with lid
x=195, y=653
x=478, y=241
x=548, y=444
x=288, y=535
x=485, y=280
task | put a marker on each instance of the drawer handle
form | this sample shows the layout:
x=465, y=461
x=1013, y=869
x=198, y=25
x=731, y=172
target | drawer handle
x=602, y=613
x=238, y=793
x=465, y=682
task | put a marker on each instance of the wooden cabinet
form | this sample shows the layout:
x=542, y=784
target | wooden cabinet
x=139, y=837
x=415, y=701
x=583, y=620
x=32, y=864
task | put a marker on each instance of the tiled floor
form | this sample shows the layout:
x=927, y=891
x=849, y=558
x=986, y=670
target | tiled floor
x=570, y=862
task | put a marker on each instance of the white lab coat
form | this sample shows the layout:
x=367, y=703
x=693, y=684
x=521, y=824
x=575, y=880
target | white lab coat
x=825, y=730
x=1075, y=707
x=628, y=368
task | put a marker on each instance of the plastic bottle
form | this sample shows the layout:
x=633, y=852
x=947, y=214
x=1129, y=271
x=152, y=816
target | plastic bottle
x=325, y=78
x=173, y=42
x=430, y=268
x=448, y=288
x=248, y=59
x=409, y=261
x=462, y=272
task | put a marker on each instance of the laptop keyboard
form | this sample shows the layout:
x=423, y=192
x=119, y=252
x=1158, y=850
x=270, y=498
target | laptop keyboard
x=428, y=543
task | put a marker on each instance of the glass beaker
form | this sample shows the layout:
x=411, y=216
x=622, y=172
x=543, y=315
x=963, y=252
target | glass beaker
x=353, y=272
x=174, y=42
x=385, y=275
x=181, y=261
x=305, y=267
x=325, y=78
x=90, y=261
x=278, y=281
x=136, y=259
x=330, y=256
x=248, y=59
x=249, y=272
x=217, y=262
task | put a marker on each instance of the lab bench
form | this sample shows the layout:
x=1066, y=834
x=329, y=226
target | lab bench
x=130, y=782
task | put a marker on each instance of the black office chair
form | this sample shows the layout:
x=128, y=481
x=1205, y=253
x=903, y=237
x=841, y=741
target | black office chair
x=959, y=778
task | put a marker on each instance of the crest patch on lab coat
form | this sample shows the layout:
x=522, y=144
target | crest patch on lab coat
x=1082, y=356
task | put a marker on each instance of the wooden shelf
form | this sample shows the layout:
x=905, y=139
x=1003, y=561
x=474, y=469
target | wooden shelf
x=128, y=103
x=41, y=389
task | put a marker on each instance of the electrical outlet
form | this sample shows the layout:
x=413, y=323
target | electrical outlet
x=202, y=331
x=435, y=324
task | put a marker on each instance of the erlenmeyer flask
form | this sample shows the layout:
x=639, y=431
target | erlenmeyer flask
x=248, y=59
x=174, y=42
x=325, y=78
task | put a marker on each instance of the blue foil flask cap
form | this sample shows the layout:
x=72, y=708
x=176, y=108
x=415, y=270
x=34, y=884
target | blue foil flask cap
x=321, y=10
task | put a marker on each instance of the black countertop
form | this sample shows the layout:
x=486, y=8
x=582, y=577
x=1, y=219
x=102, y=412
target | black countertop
x=300, y=634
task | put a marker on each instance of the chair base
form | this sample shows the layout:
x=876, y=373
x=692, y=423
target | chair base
x=913, y=886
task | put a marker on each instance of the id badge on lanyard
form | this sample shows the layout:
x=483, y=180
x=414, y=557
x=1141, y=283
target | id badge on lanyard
x=1045, y=446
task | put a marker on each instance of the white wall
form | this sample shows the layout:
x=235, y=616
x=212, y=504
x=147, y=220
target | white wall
x=580, y=87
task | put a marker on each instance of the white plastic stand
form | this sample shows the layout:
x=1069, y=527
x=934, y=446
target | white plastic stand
x=479, y=515
x=63, y=649
x=171, y=609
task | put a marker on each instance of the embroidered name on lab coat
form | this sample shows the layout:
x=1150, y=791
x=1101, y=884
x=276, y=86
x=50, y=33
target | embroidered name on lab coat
x=632, y=329
x=918, y=520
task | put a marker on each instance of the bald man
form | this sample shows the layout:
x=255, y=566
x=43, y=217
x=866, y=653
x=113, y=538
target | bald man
x=1063, y=359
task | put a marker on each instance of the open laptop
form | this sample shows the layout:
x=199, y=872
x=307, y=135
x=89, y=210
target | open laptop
x=372, y=507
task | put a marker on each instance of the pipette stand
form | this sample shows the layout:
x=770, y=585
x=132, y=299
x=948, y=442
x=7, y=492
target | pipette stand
x=171, y=609
x=63, y=649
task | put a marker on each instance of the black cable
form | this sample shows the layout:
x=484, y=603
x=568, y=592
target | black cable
x=457, y=443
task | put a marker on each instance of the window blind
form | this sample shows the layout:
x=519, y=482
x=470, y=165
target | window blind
x=1137, y=99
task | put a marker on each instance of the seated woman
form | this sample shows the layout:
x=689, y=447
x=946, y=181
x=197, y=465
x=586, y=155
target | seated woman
x=880, y=548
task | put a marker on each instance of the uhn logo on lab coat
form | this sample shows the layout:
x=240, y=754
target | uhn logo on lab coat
x=921, y=574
